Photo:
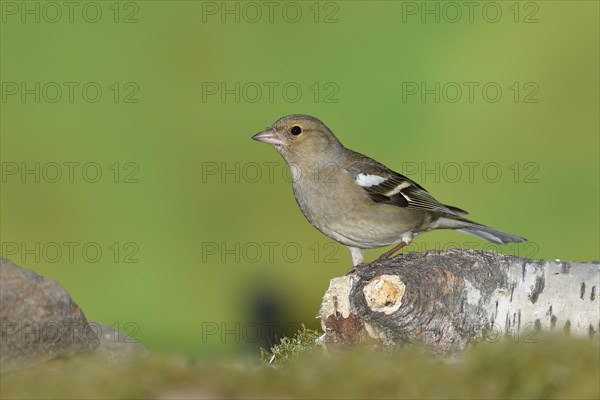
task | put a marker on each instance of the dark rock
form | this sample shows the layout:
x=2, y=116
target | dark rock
x=38, y=320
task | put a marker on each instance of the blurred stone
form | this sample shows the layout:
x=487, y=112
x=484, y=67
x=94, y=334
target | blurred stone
x=115, y=346
x=38, y=320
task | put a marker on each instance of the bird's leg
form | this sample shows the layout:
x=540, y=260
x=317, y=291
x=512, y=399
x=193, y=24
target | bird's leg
x=357, y=260
x=390, y=252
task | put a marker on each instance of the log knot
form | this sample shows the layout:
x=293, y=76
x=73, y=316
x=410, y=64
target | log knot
x=384, y=293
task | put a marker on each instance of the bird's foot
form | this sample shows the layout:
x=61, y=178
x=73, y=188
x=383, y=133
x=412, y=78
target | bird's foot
x=356, y=268
x=386, y=256
x=382, y=258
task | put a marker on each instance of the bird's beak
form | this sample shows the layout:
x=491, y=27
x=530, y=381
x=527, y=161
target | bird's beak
x=268, y=136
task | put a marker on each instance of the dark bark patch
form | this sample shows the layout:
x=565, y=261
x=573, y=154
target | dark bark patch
x=537, y=289
x=552, y=317
x=565, y=268
x=523, y=271
x=591, y=331
x=567, y=327
x=593, y=294
x=537, y=325
x=582, y=290
x=512, y=290
x=343, y=330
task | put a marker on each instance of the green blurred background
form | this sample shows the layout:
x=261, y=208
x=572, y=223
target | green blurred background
x=204, y=250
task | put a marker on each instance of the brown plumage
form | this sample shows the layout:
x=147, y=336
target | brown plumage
x=356, y=200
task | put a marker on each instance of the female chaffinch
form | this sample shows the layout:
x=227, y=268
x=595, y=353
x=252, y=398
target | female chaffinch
x=356, y=200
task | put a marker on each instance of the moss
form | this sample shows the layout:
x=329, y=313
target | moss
x=304, y=341
x=554, y=367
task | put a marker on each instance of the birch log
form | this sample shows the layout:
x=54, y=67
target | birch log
x=448, y=299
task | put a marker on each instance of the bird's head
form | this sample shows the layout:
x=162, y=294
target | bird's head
x=301, y=138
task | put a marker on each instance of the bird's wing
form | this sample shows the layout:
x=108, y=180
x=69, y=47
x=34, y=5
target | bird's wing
x=386, y=186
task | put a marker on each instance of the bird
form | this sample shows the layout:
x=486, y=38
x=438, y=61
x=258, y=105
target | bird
x=357, y=201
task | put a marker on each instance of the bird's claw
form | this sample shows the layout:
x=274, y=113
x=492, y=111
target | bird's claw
x=356, y=268
x=386, y=256
x=382, y=258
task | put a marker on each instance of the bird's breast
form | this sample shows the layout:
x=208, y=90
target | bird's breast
x=334, y=204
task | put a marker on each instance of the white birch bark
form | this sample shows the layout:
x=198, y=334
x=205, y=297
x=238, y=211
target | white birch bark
x=449, y=299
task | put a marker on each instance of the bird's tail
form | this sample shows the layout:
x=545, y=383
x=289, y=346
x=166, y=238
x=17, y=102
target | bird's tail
x=475, y=229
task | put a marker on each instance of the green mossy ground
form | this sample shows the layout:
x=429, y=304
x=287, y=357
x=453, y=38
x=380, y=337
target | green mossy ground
x=291, y=348
x=554, y=367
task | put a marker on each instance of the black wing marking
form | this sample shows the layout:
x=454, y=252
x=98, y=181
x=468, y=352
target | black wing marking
x=386, y=186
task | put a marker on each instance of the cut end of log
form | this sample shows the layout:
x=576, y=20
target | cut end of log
x=384, y=293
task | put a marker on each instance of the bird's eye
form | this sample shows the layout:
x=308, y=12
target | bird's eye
x=296, y=130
